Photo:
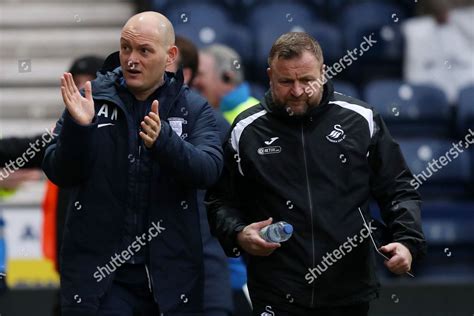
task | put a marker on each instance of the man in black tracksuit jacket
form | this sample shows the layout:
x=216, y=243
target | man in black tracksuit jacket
x=312, y=158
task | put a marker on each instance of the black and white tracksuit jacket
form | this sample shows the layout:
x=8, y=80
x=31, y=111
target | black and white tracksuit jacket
x=314, y=172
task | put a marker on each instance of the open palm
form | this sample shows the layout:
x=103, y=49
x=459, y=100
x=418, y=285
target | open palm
x=79, y=107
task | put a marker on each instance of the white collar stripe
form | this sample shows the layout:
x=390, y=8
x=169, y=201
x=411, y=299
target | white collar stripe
x=367, y=114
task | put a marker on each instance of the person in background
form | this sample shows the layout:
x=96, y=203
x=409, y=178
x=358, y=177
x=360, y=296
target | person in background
x=217, y=287
x=439, y=47
x=221, y=81
x=56, y=199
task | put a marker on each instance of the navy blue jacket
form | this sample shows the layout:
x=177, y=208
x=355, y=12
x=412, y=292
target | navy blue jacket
x=97, y=161
x=218, y=290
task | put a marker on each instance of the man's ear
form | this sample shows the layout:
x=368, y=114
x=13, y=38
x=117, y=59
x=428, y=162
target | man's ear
x=172, y=55
x=269, y=74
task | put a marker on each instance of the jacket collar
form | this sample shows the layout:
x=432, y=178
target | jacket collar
x=270, y=106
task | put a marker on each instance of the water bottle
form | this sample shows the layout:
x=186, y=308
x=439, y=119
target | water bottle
x=277, y=232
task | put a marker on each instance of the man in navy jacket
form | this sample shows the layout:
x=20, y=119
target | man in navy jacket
x=134, y=147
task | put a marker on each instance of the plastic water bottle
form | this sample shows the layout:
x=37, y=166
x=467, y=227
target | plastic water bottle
x=277, y=232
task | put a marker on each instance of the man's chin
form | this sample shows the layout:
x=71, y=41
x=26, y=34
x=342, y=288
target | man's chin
x=133, y=83
x=297, y=110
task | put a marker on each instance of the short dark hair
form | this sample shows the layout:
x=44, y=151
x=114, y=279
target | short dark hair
x=86, y=65
x=293, y=44
x=188, y=55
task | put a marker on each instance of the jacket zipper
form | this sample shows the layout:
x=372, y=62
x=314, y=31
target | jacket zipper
x=310, y=207
x=137, y=176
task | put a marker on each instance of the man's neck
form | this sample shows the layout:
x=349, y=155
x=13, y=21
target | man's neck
x=143, y=95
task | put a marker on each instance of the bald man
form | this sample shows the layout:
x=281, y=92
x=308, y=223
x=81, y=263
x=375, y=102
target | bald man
x=135, y=146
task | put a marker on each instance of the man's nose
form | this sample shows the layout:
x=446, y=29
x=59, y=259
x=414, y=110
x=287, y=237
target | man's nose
x=297, y=90
x=132, y=59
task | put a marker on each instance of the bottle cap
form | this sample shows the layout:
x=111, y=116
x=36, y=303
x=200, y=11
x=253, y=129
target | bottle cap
x=288, y=228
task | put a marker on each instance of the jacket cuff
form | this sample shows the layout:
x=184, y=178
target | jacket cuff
x=417, y=250
x=233, y=249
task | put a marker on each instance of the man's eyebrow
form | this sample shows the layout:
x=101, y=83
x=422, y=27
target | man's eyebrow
x=146, y=45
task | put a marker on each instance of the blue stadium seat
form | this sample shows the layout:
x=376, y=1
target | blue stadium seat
x=410, y=110
x=239, y=38
x=346, y=88
x=330, y=39
x=281, y=12
x=270, y=20
x=448, y=177
x=165, y=5
x=448, y=222
x=192, y=21
x=448, y=230
x=381, y=19
x=465, y=115
x=372, y=21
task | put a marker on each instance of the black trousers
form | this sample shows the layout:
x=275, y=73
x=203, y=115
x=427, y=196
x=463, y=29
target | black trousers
x=261, y=308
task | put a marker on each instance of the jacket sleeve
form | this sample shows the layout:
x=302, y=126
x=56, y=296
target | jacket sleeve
x=224, y=203
x=69, y=157
x=198, y=160
x=31, y=148
x=399, y=202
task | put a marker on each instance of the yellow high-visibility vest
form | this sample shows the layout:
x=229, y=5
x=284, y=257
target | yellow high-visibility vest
x=232, y=114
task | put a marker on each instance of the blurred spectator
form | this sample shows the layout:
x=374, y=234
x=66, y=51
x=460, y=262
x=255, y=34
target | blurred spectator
x=439, y=47
x=217, y=288
x=188, y=58
x=55, y=200
x=221, y=81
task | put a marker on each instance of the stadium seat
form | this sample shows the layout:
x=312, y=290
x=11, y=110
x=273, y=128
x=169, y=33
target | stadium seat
x=383, y=59
x=281, y=12
x=330, y=39
x=448, y=177
x=410, y=110
x=192, y=21
x=346, y=88
x=465, y=114
x=448, y=222
x=239, y=38
x=448, y=230
x=382, y=19
x=165, y=5
x=270, y=20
